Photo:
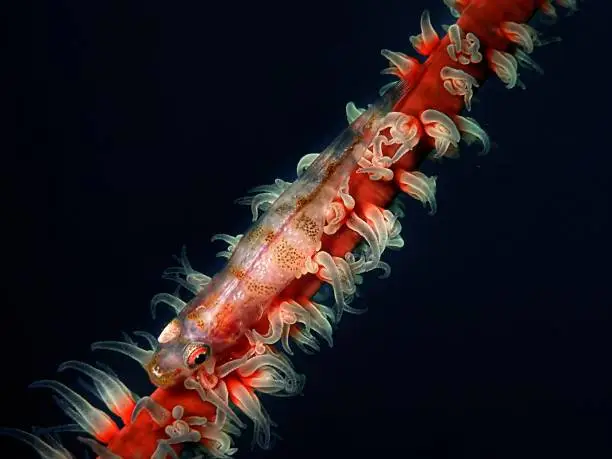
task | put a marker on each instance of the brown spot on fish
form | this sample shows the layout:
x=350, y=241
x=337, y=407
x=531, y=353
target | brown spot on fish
x=259, y=234
x=288, y=257
x=193, y=315
x=269, y=236
x=260, y=288
x=309, y=227
x=302, y=201
x=239, y=273
x=284, y=209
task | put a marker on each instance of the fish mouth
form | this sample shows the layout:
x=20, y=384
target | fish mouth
x=162, y=379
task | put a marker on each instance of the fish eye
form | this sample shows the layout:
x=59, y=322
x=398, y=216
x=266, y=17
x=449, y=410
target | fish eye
x=196, y=354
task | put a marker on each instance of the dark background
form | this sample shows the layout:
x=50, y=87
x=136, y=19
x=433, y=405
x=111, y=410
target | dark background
x=139, y=123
